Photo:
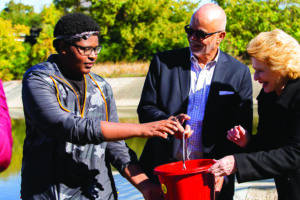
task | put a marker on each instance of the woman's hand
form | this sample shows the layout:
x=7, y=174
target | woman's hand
x=239, y=136
x=224, y=166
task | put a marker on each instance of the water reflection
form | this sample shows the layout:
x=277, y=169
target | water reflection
x=18, y=133
x=10, y=188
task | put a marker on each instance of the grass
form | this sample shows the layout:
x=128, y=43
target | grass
x=121, y=69
x=133, y=120
x=137, y=144
x=18, y=134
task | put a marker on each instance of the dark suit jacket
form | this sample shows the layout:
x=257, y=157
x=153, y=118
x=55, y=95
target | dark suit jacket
x=277, y=143
x=166, y=93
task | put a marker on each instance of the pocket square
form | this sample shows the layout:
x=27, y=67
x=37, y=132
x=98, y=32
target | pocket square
x=226, y=92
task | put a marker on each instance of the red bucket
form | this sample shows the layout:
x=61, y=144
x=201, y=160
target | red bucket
x=193, y=183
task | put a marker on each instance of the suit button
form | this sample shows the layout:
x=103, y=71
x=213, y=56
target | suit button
x=287, y=180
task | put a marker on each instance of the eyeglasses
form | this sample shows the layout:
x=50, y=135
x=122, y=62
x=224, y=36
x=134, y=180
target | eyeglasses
x=199, y=33
x=86, y=51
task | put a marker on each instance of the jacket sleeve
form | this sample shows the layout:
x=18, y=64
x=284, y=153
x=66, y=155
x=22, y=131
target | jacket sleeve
x=5, y=132
x=148, y=108
x=44, y=113
x=275, y=162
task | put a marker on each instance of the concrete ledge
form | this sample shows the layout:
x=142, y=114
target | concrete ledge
x=127, y=92
x=256, y=190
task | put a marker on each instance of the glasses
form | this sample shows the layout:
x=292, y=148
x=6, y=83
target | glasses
x=86, y=51
x=199, y=33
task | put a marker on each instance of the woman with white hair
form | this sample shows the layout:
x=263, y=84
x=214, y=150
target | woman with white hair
x=276, y=60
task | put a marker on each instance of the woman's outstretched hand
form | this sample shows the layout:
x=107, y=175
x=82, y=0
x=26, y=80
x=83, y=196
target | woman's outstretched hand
x=224, y=166
x=239, y=136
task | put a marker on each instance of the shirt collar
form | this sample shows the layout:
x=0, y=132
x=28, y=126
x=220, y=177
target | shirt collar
x=208, y=65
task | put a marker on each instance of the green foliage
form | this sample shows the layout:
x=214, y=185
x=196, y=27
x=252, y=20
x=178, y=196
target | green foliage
x=12, y=51
x=68, y=5
x=43, y=48
x=15, y=55
x=134, y=29
x=247, y=18
x=19, y=13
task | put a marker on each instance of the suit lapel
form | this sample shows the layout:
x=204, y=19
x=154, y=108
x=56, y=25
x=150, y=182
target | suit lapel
x=184, y=74
x=220, y=69
x=218, y=77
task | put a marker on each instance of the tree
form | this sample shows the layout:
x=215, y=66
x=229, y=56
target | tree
x=134, y=29
x=20, y=14
x=247, y=18
x=68, y=5
x=15, y=55
x=44, y=48
x=12, y=52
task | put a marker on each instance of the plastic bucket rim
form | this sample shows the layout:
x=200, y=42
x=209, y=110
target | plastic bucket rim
x=201, y=169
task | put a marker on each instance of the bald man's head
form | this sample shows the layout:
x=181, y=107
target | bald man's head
x=210, y=14
x=206, y=32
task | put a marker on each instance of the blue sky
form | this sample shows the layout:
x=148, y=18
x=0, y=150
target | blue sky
x=38, y=4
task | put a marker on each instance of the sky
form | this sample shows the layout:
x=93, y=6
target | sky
x=38, y=4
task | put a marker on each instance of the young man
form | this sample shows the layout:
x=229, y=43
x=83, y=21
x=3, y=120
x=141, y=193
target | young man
x=72, y=134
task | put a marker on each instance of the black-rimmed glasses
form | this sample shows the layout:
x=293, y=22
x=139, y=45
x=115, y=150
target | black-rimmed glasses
x=199, y=33
x=86, y=51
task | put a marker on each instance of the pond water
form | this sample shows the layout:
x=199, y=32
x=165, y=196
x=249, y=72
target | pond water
x=10, y=179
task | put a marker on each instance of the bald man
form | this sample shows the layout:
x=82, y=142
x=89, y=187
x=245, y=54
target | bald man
x=212, y=87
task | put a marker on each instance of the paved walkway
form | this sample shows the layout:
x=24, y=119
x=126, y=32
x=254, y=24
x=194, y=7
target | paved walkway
x=127, y=94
